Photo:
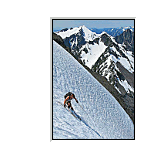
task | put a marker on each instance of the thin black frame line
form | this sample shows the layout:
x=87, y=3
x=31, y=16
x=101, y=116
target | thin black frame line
x=93, y=18
x=134, y=79
x=52, y=78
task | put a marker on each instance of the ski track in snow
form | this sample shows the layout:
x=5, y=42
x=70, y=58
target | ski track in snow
x=102, y=117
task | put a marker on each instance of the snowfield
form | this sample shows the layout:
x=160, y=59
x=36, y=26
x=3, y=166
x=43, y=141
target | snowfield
x=94, y=53
x=102, y=117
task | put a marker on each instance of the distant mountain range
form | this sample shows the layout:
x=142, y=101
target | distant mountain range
x=113, y=31
x=109, y=58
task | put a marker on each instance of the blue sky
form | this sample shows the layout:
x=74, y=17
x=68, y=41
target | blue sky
x=61, y=24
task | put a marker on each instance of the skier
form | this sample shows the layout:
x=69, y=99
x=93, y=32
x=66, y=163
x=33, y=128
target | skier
x=68, y=97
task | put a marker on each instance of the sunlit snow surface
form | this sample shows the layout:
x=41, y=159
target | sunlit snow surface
x=102, y=117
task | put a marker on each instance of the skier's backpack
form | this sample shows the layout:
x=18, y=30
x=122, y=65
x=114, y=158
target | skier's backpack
x=69, y=94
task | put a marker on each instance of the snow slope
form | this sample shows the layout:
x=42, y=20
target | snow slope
x=102, y=117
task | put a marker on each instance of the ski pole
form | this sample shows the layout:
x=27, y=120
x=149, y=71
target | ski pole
x=82, y=107
x=86, y=113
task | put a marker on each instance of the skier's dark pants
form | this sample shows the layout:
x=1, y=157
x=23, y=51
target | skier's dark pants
x=69, y=104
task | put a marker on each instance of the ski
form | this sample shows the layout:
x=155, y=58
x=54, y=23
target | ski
x=71, y=111
x=74, y=114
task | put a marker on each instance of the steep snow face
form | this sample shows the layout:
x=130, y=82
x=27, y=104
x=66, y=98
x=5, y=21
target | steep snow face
x=94, y=51
x=102, y=117
x=128, y=61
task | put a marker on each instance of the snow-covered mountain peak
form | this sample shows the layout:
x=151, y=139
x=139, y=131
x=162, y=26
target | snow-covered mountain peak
x=127, y=27
x=104, y=33
x=88, y=35
x=111, y=37
x=82, y=30
x=83, y=27
x=68, y=32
